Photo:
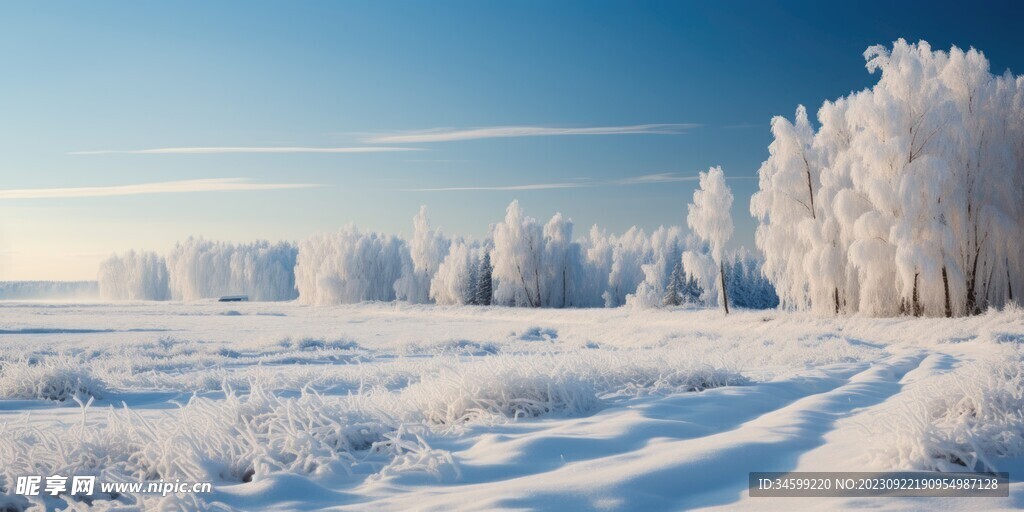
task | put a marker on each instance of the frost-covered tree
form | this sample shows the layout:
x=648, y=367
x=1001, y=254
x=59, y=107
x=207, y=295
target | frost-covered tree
x=545, y=267
x=456, y=280
x=702, y=269
x=558, y=263
x=484, y=290
x=536, y=266
x=349, y=266
x=919, y=187
x=200, y=269
x=629, y=252
x=133, y=276
x=428, y=249
x=520, y=263
x=691, y=292
x=789, y=181
x=748, y=288
x=676, y=283
x=710, y=219
x=594, y=255
x=657, y=257
x=518, y=254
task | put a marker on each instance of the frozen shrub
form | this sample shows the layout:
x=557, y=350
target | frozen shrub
x=501, y=390
x=958, y=421
x=538, y=334
x=319, y=344
x=380, y=426
x=574, y=383
x=54, y=378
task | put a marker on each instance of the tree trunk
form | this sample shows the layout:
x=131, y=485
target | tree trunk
x=526, y=290
x=972, y=279
x=916, y=298
x=536, y=279
x=810, y=188
x=1009, y=285
x=725, y=294
x=836, y=298
x=945, y=288
x=565, y=286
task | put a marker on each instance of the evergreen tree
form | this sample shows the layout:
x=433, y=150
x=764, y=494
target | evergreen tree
x=675, y=284
x=484, y=291
x=691, y=290
x=473, y=286
x=736, y=274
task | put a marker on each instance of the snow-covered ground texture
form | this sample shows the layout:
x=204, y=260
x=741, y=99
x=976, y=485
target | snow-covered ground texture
x=423, y=407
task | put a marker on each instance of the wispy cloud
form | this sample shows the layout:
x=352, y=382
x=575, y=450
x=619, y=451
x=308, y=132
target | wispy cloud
x=493, y=132
x=231, y=149
x=437, y=161
x=535, y=186
x=665, y=177
x=166, y=187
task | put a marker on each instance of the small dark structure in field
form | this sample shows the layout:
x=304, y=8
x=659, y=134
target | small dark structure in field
x=234, y=298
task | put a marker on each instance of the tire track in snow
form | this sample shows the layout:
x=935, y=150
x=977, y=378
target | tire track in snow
x=519, y=449
x=694, y=450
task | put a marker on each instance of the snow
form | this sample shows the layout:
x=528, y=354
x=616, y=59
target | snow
x=397, y=406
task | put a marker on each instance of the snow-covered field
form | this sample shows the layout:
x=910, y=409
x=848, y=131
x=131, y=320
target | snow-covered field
x=385, y=406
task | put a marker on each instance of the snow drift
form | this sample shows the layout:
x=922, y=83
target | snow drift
x=373, y=403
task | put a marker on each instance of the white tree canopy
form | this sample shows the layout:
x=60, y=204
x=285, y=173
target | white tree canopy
x=908, y=199
x=427, y=250
x=202, y=269
x=709, y=214
x=521, y=263
x=134, y=276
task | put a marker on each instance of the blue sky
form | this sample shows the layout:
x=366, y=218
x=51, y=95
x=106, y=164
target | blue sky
x=622, y=101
